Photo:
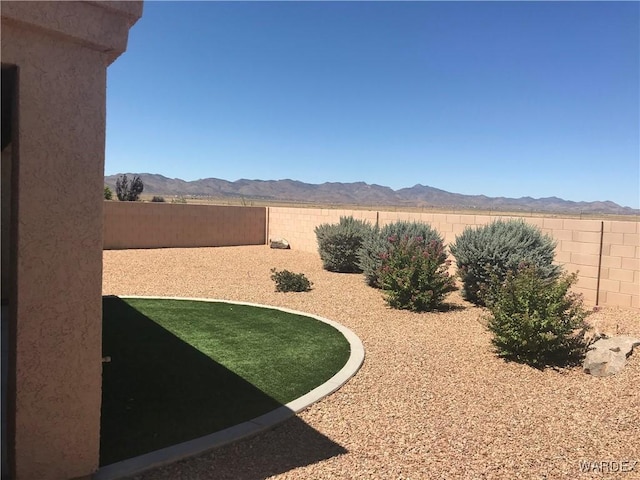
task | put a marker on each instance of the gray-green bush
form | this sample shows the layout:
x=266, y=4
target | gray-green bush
x=492, y=250
x=378, y=243
x=338, y=244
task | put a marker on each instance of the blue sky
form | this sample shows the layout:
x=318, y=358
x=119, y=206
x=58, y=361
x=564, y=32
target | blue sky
x=498, y=98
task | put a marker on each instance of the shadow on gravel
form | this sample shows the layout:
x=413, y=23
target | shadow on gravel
x=158, y=391
x=451, y=307
x=290, y=445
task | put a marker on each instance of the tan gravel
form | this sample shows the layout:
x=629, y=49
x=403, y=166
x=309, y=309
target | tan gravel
x=431, y=401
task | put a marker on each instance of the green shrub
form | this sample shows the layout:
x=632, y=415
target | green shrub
x=108, y=194
x=414, y=274
x=156, y=199
x=377, y=244
x=493, y=249
x=287, y=281
x=338, y=244
x=535, y=319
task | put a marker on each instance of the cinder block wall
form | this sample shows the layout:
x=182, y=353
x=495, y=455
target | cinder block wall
x=162, y=225
x=578, y=244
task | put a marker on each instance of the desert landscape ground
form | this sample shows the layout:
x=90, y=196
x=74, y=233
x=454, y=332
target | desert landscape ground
x=257, y=202
x=432, y=400
x=287, y=192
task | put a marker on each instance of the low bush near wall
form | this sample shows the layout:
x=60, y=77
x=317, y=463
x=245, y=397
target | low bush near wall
x=414, y=274
x=338, y=244
x=287, y=281
x=492, y=250
x=378, y=243
x=535, y=319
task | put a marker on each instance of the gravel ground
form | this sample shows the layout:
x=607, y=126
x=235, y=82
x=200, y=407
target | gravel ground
x=430, y=402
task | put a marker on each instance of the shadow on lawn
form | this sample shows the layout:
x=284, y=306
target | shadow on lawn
x=158, y=391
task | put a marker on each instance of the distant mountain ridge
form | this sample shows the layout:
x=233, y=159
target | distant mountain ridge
x=360, y=193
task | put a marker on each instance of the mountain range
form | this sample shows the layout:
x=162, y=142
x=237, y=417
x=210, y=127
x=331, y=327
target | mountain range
x=359, y=194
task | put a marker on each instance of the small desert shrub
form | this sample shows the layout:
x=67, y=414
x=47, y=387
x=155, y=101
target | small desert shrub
x=287, y=281
x=338, y=244
x=156, y=199
x=535, y=319
x=179, y=199
x=492, y=250
x=108, y=194
x=414, y=275
x=377, y=244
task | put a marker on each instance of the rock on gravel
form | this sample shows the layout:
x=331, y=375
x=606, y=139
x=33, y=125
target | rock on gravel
x=608, y=356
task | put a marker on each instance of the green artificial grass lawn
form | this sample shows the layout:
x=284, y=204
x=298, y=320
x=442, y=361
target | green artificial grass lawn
x=182, y=369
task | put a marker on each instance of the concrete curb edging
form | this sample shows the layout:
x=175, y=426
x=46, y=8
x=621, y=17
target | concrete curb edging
x=252, y=427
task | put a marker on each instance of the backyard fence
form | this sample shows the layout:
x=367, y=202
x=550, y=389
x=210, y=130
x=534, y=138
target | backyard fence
x=165, y=225
x=605, y=253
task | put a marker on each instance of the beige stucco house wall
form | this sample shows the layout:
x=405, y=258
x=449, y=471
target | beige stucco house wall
x=52, y=282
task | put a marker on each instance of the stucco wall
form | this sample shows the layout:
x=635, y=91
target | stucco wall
x=577, y=249
x=102, y=26
x=61, y=50
x=158, y=225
